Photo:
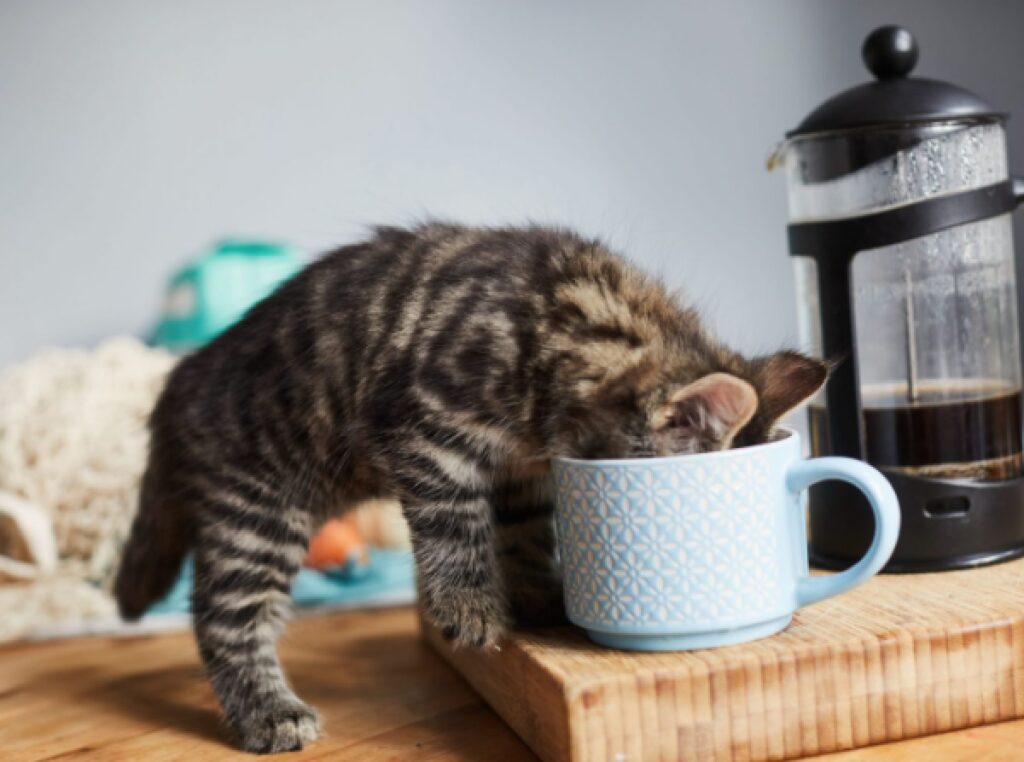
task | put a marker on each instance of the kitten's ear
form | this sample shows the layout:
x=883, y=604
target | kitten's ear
x=709, y=411
x=786, y=379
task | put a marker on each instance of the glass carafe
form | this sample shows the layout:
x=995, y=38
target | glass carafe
x=934, y=317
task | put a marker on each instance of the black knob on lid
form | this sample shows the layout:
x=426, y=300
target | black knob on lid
x=890, y=52
x=894, y=99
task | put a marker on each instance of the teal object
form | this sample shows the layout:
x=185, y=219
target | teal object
x=212, y=293
x=695, y=551
x=389, y=576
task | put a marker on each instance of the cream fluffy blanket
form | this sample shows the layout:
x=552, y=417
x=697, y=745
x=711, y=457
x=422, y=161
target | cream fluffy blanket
x=73, y=445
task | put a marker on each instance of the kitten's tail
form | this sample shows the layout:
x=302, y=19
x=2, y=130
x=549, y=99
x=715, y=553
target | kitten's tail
x=159, y=539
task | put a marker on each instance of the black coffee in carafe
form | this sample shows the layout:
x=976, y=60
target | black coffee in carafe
x=969, y=431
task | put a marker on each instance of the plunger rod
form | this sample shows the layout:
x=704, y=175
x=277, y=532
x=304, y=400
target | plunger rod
x=911, y=335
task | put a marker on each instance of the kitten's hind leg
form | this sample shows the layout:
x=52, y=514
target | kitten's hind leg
x=527, y=551
x=249, y=547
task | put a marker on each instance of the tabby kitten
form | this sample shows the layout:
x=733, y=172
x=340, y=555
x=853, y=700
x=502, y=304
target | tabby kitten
x=444, y=366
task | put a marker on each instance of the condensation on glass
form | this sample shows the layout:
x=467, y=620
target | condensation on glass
x=935, y=317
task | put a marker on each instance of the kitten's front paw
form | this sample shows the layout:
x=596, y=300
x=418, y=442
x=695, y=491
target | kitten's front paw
x=469, y=618
x=284, y=726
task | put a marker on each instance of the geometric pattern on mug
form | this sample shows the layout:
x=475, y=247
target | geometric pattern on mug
x=697, y=545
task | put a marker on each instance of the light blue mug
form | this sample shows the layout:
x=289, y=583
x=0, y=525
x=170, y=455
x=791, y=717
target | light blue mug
x=694, y=551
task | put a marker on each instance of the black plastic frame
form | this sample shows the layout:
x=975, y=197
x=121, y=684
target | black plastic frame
x=840, y=520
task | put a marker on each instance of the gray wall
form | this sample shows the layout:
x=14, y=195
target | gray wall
x=131, y=134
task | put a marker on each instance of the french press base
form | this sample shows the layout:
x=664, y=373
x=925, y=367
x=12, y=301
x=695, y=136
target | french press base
x=945, y=525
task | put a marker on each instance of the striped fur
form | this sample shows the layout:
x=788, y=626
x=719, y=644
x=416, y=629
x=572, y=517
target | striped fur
x=443, y=366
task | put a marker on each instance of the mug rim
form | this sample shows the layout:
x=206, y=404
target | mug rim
x=790, y=435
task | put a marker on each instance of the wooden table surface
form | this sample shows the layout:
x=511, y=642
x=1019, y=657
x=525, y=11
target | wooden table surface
x=383, y=694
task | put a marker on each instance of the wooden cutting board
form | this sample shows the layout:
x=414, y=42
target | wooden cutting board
x=902, y=656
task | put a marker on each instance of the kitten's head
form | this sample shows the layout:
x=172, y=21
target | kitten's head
x=687, y=411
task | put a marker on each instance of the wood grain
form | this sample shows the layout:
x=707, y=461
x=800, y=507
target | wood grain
x=382, y=693
x=901, y=657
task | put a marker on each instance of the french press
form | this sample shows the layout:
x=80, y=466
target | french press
x=901, y=236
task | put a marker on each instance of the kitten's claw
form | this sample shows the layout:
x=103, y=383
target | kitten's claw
x=283, y=727
x=470, y=620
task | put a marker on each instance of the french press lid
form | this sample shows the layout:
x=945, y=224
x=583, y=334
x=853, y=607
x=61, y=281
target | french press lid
x=894, y=99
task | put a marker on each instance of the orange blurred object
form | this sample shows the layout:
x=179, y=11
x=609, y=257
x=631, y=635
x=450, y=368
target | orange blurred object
x=338, y=541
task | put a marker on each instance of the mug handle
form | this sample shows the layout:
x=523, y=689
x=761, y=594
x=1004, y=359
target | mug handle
x=884, y=505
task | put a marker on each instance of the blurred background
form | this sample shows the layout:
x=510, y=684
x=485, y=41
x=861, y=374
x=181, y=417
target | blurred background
x=132, y=135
